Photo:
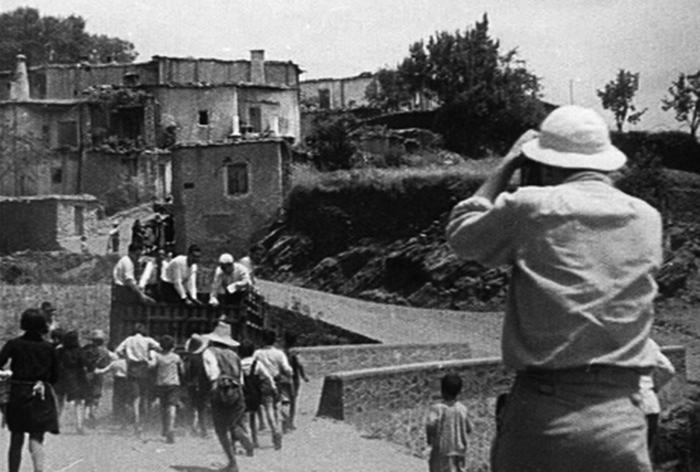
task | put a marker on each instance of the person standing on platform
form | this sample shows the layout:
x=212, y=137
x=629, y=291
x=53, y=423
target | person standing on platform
x=113, y=239
x=125, y=288
x=179, y=282
x=231, y=282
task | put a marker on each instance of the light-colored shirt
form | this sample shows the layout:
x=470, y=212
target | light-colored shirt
x=212, y=368
x=260, y=370
x=136, y=348
x=124, y=271
x=583, y=256
x=183, y=276
x=149, y=276
x=222, y=282
x=169, y=367
x=274, y=360
x=447, y=426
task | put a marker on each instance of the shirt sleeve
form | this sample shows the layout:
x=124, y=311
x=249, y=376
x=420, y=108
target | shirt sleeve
x=483, y=231
x=285, y=368
x=192, y=282
x=121, y=349
x=5, y=354
x=177, y=279
x=129, y=271
x=431, y=423
x=215, y=286
x=147, y=275
x=211, y=367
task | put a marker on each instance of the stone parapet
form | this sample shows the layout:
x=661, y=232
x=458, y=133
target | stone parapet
x=323, y=360
x=391, y=402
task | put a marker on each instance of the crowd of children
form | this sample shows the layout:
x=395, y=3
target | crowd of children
x=146, y=372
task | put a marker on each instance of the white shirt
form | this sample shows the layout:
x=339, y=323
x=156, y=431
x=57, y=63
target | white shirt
x=182, y=276
x=124, y=271
x=136, y=348
x=583, y=257
x=211, y=366
x=274, y=360
x=229, y=283
x=148, y=276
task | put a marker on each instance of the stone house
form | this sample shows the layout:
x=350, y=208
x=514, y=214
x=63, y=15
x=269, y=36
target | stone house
x=335, y=94
x=47, y=222
x=120, y=117
x=226, y=194
x=348, y=93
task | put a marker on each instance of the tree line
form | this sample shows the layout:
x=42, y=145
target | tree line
x=56, y=40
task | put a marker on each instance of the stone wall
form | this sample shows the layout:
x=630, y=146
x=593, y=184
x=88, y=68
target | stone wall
x=205, y=212
x=81, y=307
x=323, y=360
x=390, y=402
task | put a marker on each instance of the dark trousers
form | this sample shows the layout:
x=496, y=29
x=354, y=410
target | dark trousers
x=229, y=424
x=168, y=293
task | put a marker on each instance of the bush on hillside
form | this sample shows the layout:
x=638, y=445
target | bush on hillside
x=331, y=145
x=644, y=178
x=676, y=150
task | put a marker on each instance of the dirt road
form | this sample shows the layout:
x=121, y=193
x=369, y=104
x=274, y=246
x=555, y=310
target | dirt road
x=318, y=445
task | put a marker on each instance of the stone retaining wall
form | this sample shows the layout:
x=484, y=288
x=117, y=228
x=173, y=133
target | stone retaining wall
x=390, y=402
x=81, y=307
x=323, y=360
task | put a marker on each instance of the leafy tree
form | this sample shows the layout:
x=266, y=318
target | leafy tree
x=617, y=97
x=387, y=91
x=49, y=39
x=486, y=95
x=331, y=144
x=685, y=100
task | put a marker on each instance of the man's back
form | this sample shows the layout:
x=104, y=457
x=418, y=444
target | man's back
x=583, y=256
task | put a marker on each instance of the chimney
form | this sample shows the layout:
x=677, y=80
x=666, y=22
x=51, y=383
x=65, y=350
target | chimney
x=257, y=66
x=19, y=88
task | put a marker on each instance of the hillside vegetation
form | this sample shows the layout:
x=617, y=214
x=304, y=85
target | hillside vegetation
x=379, y=235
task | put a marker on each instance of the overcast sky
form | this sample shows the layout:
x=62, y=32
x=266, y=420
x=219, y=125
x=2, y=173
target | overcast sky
x=573, y=45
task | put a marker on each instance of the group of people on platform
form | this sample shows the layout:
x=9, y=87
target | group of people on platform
x=236, y=387
x=174, y=279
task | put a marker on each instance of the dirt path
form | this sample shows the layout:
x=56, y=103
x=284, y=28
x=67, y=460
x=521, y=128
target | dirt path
x=318, y=445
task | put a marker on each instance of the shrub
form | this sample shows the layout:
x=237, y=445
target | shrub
x=675, y=149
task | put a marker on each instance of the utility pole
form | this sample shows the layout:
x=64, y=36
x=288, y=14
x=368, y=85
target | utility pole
x=571, y=91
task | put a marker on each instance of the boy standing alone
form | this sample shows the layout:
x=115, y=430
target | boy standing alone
x=447, y=427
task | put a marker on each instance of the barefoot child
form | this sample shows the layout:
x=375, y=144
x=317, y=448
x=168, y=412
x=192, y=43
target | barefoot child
x=447, y=427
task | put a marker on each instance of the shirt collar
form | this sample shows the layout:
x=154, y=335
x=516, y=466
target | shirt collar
x=587, y=176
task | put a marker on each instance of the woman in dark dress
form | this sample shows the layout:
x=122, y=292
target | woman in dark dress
x=32, y=405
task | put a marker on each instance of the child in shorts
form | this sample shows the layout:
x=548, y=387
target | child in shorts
x=169, y=368
x=447, y=427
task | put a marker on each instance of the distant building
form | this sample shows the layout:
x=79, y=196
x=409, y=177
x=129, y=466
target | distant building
x=225, y=195
x=61, y=124
x=46, y=223
x=335, y=94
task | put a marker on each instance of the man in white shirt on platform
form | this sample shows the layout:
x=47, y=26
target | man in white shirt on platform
x=230, y=283
x=179, y=280
x=124, y=288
